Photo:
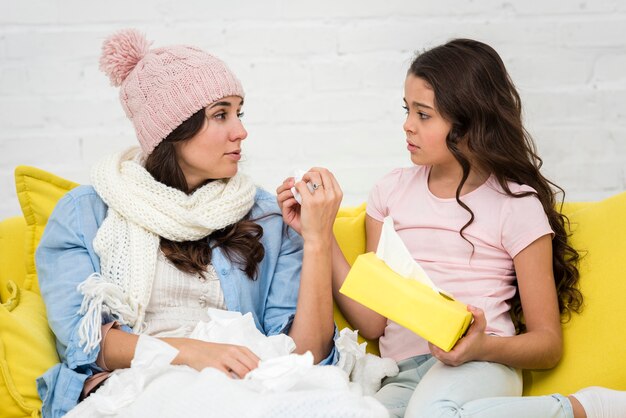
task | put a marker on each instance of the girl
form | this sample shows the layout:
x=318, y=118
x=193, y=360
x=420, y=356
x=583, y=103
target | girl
x=478, y=215
x=172, y=229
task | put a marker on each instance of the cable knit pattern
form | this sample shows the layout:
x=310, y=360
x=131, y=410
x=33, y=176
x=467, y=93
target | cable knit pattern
x=163, y=87
x=140, y=211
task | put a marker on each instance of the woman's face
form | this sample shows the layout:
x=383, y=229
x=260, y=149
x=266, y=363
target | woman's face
x=426, y=130
x=214, y=152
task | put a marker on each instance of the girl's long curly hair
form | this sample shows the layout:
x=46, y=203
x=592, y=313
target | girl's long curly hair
x=240, y=242
x=474, y=92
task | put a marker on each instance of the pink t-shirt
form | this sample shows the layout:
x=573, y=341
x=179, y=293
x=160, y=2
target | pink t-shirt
x=429, y=226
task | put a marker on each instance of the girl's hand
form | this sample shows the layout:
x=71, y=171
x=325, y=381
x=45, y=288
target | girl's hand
x=315, y=217
x=225, y=357
x=469, y=347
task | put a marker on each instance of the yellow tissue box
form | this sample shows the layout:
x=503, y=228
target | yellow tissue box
x=414, y=305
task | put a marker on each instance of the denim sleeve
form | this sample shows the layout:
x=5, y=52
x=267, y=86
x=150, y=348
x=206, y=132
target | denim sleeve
x=283, y=295
x=282, y=298
x=333, y=357
x=64, y=259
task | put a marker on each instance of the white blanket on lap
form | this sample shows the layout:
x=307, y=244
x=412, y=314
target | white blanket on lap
x=284, y=384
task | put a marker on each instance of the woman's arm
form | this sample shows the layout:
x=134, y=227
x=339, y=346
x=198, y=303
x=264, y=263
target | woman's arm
x=540, y=347
x=119, y=350
x=369, y=323
x=313, y=326
x=64, y=259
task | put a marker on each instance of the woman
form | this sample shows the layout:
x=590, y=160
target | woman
x=172, y=229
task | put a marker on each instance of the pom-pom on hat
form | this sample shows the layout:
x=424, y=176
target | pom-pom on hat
x=163, y=87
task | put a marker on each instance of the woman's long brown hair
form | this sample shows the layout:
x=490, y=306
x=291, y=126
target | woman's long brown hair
x=240, y=242
x=474, y=92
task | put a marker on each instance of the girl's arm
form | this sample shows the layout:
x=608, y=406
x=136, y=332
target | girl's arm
x=370, y=324
x=540, y=347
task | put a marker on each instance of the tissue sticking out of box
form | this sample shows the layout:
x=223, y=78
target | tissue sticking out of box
x=393, y=252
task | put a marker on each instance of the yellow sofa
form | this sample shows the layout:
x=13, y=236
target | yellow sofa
x=594, y=341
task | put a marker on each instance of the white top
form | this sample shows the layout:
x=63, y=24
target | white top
x=179, y=300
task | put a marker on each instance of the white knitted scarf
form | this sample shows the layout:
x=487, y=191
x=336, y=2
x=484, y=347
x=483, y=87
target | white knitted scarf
x=140, y=210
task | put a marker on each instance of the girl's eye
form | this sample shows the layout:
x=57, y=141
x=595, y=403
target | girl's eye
x=240, y=115
x=423, y=115
x=406, y=109
x=220, y=115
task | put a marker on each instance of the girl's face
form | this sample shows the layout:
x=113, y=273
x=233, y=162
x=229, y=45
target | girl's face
x=425, y=128
x=214, y=152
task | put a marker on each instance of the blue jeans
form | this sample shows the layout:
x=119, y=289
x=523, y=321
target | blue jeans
x=428, y=388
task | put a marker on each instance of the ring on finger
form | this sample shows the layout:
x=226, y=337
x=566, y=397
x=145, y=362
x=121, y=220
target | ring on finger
x=316, y=186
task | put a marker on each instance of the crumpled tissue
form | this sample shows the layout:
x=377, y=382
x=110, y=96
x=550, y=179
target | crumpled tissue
x=365, y=369
x=297, y=176
x=283, y=386
x=230, y=327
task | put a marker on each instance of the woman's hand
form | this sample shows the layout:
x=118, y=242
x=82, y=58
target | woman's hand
x=467, y=348
x=288, y=204
x=316, y=215
x=225, y=357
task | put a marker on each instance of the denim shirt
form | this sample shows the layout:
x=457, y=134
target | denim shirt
x=66, y=257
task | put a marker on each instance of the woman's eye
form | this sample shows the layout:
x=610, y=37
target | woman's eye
x=423, y=115
x=240, y=115
x=220, y=116
x=406, y=109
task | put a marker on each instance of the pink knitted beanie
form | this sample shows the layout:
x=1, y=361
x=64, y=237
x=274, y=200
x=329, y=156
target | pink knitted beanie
x=161, y=88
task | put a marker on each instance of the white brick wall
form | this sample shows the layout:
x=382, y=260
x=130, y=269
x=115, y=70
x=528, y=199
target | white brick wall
x=323, y=80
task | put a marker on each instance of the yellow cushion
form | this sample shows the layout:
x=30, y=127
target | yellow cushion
x=38, y=192
x=595, y=340
x=349, y=229
x=11, y=253
x=26, y=351
x=569, y=208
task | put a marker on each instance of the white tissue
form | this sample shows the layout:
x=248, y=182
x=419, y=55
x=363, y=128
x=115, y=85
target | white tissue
x=366, y=370
x=349, y=349
x=230, y=327
x=394, y=253
x=281, y=387
x=370, y=370
x=152, y=357
x=297, y=176
x=152, y=352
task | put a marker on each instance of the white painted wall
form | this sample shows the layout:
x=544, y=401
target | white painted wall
x=323, y=81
